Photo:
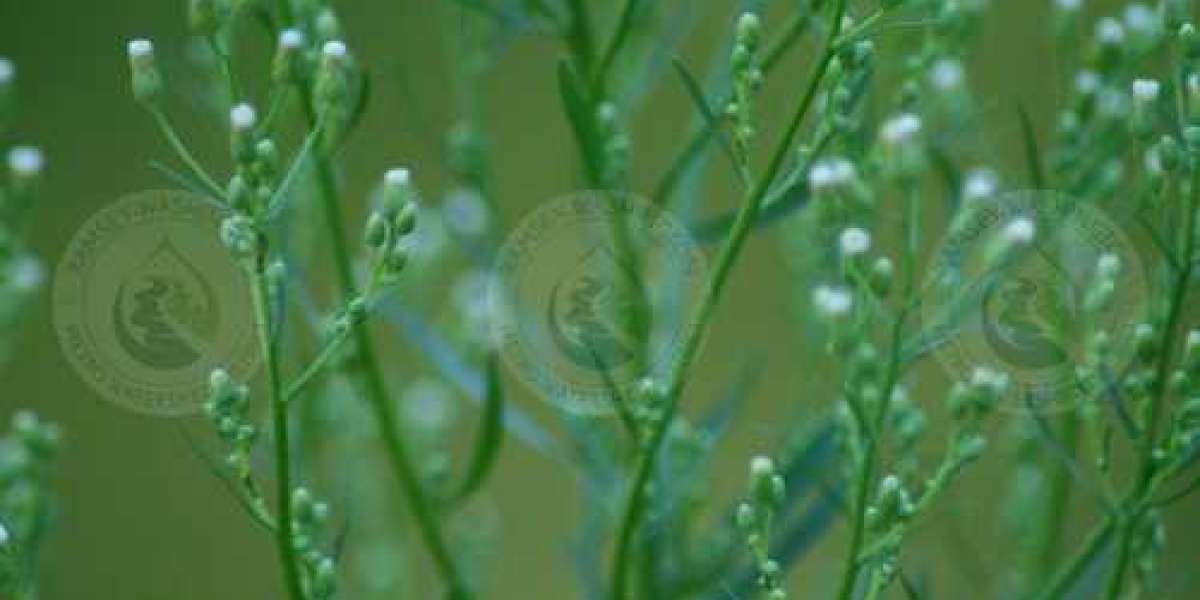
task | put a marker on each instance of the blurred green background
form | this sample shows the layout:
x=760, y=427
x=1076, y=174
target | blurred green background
x=141, y=519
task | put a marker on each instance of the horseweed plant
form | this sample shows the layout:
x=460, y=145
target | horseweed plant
x=26, y=503
x=854, y=182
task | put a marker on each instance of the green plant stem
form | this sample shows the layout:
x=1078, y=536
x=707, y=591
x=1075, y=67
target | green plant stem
x=579, y=36
x=181, y=150
x=1071, y=571
x=373, y=380
x=1144, y=487
x=635, y=505
x=284, y=539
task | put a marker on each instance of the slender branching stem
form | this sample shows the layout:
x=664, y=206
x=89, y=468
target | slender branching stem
x=624, y=25
x=636, y=503
x=373, y=380
x=181, y=150
x=284, y=538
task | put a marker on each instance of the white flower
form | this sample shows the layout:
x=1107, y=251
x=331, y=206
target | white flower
x=335, y=49
x=854, y=241
x=946, y=74
x=243, y=117
x=762, y=467
x=830, y=173
x=1088, y=82
x=141, y=49
x=7, y=71
x=4, y=535
x=900, y=129
x=1020, y=231
x=1110, y=32
x=398, y=177
x=1068, y=5
x=25, y=161
x=1146, y=90
x=980, y=184
x=291, y=39
x=832, y=301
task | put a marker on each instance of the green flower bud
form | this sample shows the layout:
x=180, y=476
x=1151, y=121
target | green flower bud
x=287, y=66
x=146, y=80
x=749, y=30
x=396, y=259
x=376, y=232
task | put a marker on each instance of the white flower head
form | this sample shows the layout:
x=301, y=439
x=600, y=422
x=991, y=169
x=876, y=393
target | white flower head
x=141, y=49
x=762, y=467
x=7, y=71
x=1088, y=82
x=1146, y=90
x=831, y=173
x=833, y=301
x=854, y=241
x=26, y=161
x=980, y=184
x=398, y=177
x=1110, y=32
x=900, y=129
x=335, y=50
x=1020, y=231
x=1068, y=5
x=291, y=39
x=947, y=74
x=243, y=117
x=4, y=535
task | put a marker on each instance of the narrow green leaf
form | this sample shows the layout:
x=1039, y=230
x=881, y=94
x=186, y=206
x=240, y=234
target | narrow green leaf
x=580, y=116
x=284, y=192
x=711, y=120
x=1033, y=158
x=491, y=433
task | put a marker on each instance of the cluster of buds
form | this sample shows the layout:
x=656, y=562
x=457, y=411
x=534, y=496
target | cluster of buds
x=615, y=157
x=228, y=407
x=903, y=153
x=747, y=80
x=648, y=407
x=969, y=403
x=850, y=72
x=25, y=456
x=309, y=518
x=766, y=496
x=146, y=79
x=389, y=227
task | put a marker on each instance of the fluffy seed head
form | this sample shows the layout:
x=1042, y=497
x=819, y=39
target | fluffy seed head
x=398, y=177
x=1020, y=231
x=1146, y=90
x=243, y=117
x=854, y=241
x=900, y=129
x=25, y=161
